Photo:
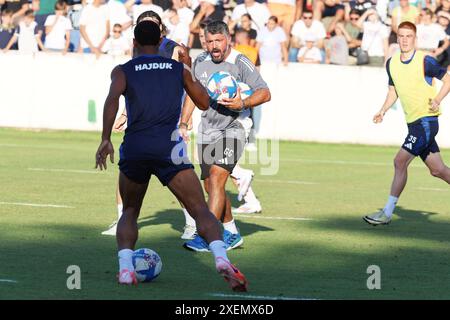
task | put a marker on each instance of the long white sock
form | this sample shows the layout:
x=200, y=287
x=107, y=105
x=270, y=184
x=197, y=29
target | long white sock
x=189, y=220
x=237, y=172
x=125, y=259
x=230, y=226
x=119, y=211
x=250, y=196
x=219, y=249
x=390, y=205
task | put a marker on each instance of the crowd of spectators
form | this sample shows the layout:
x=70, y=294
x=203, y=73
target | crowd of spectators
x=272, y=31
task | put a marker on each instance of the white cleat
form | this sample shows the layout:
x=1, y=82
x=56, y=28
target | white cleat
x=189, y=232
x=112, y=230
x=244, y=183
x=247, y=208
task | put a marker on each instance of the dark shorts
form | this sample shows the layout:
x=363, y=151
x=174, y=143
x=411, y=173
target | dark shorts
x=140, y=171
x=225, y=153
x=330, y=11
x=420, y=140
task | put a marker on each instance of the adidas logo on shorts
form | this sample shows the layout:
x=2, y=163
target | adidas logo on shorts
x=408, y=145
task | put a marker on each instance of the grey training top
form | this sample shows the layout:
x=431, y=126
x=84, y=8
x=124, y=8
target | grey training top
x=218, y=121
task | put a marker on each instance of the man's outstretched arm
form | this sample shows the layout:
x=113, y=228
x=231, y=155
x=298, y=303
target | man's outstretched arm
x=195, y=90
x=391, y=97
x=117, y=88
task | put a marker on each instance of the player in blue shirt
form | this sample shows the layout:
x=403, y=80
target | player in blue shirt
x=153, y=88
x=168, y=49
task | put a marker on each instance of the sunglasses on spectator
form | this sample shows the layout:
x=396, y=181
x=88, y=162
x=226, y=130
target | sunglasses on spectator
x=354, y=18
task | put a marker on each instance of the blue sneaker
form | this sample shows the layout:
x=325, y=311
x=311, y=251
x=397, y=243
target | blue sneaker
x=197, y=244
x=232, y=240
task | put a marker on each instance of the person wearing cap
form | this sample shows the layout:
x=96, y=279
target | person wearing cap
x=309, y=53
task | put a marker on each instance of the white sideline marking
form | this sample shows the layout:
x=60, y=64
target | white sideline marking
x=345, y=162
x=287, y=181
x=8, y=280
x=65, y=170
x=433, y=189
x=35, y=205
x=99, y=172
x=258, y=216
x=12, y=145
x=222, y=295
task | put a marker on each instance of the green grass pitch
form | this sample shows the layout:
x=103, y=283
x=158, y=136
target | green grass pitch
x=324, y=256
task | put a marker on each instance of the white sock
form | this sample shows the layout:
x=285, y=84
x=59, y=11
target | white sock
x=390, y=205
x=250, y=196
x=230, y=226
x=189, y=220
x=125, y=259
x=218, y=248
x=237, y=172
x=119, y=211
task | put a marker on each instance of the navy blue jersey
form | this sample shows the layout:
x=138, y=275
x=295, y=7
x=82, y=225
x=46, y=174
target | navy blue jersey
x=154, y=89
x=432, y=69
x=166, y=48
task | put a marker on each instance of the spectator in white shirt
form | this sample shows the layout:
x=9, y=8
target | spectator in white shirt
x=118, y=14
x=94, y=27
x=117, y=44
x=184, y=12
x=309, y=53
x=375, y=37
x=303, y=27
x=27, y=35
x=57, y=29
x=260, y=14
x=430, y=34
x=145, y=5
x=272, y=43
x=178, y=31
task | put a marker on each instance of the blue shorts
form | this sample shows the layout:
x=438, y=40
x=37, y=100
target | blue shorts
x=140, y=171
x=420, y=140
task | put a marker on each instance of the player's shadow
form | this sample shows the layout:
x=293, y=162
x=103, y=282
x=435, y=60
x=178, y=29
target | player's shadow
x=413, y=215
x=175, y=218
x=406, y=223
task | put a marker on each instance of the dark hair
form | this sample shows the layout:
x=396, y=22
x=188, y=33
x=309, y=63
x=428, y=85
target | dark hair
x=216, y=26
x=407, y=25
x=274, y=18
x=7, y=12
x=117, y=25
x=354, y=11
x=147, y=33
x=204, y=23
x=242, y=30
x=60, y=5
x=248, y=16
x=428, y=12
x=29, y=13
x=153, y=14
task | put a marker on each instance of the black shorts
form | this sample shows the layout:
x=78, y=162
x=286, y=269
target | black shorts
x=420, y=140
x=330, y=11
x=224, y=153
x=140, y=171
